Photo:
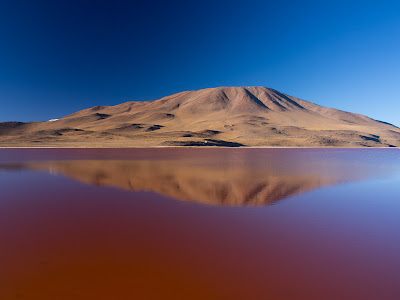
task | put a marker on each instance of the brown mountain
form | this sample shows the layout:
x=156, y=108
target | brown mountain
x=224, y=116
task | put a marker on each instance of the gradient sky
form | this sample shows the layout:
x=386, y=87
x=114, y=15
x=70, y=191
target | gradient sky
x=57, y=57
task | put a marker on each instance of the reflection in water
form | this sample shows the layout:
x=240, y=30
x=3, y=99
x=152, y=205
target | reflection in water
x=234, y=183
x=64, y=240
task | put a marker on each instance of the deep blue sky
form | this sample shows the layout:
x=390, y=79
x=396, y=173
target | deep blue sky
x=57, y=57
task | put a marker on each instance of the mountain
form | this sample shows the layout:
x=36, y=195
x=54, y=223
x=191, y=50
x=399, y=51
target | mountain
x=223, y=116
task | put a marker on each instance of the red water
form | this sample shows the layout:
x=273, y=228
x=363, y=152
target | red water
x=62, y=238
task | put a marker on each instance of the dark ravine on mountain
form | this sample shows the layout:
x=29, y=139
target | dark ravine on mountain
x=224, y=116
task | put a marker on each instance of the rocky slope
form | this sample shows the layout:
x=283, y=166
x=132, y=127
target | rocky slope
x=224, y=116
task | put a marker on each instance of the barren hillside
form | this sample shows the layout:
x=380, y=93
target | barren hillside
x=224, y=116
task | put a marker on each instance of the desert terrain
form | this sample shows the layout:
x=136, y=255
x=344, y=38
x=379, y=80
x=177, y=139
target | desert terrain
x=223, y=116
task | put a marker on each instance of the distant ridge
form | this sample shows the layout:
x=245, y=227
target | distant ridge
x=223, y=116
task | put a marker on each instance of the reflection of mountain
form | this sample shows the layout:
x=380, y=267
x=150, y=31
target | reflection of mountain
x=234, y=185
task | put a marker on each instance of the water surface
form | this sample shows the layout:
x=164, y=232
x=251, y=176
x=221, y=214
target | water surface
x=199, y=223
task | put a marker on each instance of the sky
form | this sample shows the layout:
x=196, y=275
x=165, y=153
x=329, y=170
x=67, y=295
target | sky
x=58, y=57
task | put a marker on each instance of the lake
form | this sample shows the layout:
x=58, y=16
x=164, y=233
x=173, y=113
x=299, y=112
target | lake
x=189, y=223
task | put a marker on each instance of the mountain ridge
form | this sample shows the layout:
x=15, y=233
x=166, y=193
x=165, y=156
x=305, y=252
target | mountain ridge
x=246, y=116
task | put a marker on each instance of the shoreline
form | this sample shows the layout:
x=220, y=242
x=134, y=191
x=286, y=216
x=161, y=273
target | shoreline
x=197, y=147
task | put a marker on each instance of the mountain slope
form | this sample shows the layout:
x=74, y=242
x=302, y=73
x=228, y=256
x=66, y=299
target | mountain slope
x=224, y=116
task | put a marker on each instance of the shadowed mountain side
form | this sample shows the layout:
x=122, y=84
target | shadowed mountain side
x=232, y=116
x=233, y=186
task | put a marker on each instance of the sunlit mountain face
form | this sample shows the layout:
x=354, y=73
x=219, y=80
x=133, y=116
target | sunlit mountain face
x=224, y=116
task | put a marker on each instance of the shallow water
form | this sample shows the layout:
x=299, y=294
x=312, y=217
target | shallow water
x=199, y=223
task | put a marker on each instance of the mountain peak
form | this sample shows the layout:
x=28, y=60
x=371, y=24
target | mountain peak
x=250, y=116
